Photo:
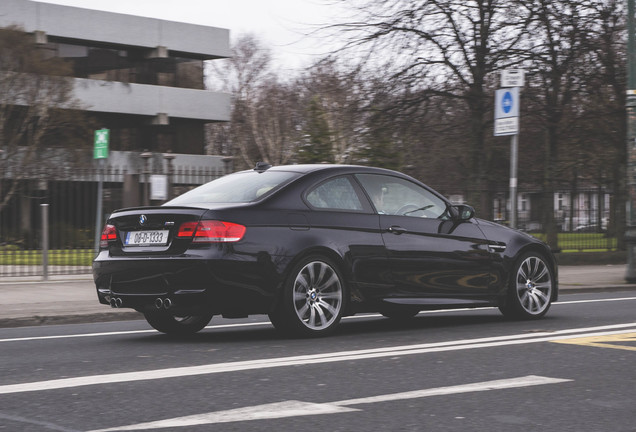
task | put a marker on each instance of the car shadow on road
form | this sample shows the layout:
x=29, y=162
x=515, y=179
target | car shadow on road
x=367, y=326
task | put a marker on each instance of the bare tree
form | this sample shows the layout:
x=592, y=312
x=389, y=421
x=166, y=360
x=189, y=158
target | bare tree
x=558, y=45
x=240, y=75
x=605, y=110
x=274, y=116
x=443, y=48
x=263, y=126
x=35, y=96
x=420, y=97
x=334, y=101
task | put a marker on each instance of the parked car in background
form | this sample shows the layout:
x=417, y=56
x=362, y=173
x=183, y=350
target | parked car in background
x=309, y=244
x=589, y=228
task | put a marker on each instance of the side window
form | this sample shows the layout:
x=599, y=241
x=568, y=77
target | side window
x=335, y=194
x=396, y=196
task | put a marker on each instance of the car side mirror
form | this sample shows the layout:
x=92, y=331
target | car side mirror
x=463, y=212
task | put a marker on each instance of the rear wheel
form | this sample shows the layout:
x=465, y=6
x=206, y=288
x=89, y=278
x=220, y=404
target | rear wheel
x=530, y=291
x=168, y=323
x=313, y=299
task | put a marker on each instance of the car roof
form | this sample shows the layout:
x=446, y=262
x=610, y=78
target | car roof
x=308, y=168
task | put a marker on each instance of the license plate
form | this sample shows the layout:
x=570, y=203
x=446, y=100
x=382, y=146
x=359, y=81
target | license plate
x=146, y=238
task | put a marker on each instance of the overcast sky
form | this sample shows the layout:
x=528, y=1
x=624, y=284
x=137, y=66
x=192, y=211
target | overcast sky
x=281, y=24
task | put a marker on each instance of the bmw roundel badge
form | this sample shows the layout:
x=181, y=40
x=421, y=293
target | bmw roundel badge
x=142, y=219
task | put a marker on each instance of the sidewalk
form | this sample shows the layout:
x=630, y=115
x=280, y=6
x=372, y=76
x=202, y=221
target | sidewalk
x=28, y=301
x=72, y=299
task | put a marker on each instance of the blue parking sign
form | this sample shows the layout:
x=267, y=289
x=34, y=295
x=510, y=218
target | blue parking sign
x=507, y=111
x=507, y=103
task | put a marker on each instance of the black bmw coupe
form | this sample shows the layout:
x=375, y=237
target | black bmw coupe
x=308, y=244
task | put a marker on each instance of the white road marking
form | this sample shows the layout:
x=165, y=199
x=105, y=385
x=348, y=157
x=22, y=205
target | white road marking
x=116, y=333
x=298, y=408
x=267, y=323
x=594, y=301
x=404, y=350
x=260, y=412
x=210, y=327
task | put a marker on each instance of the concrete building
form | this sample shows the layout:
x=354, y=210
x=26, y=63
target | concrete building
x=143, y=78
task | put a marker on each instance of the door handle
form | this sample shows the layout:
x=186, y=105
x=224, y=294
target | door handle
x=397, y=230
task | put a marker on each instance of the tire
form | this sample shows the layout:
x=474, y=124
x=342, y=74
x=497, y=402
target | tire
x=166, y=322
x=313, y=299
x=530, y=290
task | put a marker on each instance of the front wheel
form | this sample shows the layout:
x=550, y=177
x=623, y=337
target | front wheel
x=531, y=288
x=313, y=299
x=168, y=323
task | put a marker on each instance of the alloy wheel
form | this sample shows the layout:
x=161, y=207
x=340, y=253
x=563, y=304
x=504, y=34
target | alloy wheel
x=317, y=295
x=534, y=285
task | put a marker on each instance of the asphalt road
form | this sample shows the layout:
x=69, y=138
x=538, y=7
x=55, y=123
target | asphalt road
x=575, y=370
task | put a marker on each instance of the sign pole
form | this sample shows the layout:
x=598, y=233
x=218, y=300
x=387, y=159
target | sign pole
x=45, y=241
x=507, y=123
x=100, y=152
x=98, y=214
x=630, y=235
x=514, y=143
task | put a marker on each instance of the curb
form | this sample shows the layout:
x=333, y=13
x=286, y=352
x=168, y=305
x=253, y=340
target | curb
x=22, y=280
x=38, y=320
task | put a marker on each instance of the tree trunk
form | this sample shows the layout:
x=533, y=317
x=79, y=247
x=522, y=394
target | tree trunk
x=550, y=225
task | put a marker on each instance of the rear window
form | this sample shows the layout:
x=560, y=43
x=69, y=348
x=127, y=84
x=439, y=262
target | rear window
x=241, y=187
x=336, y=194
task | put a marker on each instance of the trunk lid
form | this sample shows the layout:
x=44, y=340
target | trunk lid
x=151, y=230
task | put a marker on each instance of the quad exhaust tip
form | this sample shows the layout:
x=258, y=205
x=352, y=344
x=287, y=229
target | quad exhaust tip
x=116, y=302
x=161, y=303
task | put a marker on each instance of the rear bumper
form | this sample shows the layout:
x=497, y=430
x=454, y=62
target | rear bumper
x=222, y=286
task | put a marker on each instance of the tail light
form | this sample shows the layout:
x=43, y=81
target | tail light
x=109, y=234
x=211, y=231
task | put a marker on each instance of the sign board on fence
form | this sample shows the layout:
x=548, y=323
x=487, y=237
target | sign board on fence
x=158, y=187
x=100, y=151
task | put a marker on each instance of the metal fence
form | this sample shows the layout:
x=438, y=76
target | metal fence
x=585, y=219
x=63, y=203
x=49, y=224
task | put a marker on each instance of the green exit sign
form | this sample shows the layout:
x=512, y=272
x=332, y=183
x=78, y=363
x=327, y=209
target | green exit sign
x=100, y=151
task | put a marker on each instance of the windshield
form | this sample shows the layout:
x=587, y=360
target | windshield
x=241, y=187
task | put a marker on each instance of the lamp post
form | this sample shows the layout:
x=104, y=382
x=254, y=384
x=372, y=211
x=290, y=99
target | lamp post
x=227, y=164
x=630, y=107
x=146, y=155
x=169, y=157
x=1, y=170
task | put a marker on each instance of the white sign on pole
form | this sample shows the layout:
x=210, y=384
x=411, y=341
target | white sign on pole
x=513, y=78
x=158, y=187
x=507, y=126
x=507, y=111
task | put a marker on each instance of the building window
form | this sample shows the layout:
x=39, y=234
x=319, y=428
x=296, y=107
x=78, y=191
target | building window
x=523, y=202
x=130, y=65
